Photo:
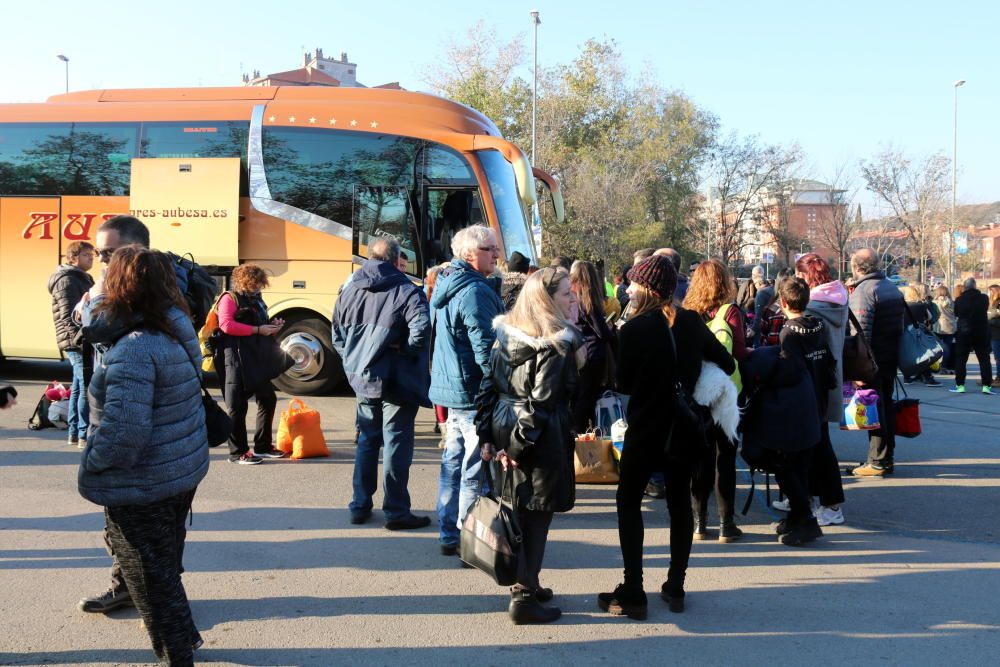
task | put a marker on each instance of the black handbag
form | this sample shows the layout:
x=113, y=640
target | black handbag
x=217, y=421
x=694, y=417
x=490, y=539
x=858, y=360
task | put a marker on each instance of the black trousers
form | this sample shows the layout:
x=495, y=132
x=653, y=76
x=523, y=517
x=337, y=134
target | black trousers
x=237, y=402
x=716, y=469
x=824, y=471
x=792, y=474
x=635, y=469
x=148, y=541
x=882, y=441
x=964, y=344
x=534, y=535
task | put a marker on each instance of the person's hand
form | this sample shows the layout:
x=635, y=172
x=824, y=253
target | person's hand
x=268, y=329
x=487, y=451
x=505, y=461
x=859, y=384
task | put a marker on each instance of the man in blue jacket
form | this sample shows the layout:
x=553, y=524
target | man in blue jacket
x=381, y=329
x=465, y=301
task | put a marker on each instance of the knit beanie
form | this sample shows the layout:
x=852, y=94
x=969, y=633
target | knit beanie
x=657, y=274
x=517, y=263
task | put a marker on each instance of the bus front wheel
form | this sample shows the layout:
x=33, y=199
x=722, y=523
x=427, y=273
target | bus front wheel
x=317, y=369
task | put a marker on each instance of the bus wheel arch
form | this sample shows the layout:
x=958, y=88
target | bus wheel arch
x=307, y=338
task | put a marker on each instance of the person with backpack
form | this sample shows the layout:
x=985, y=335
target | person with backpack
x=661, y=354
x=113, y=234
x=711, y=296
x=247, y=358
x=148, y=445
x=67, y=286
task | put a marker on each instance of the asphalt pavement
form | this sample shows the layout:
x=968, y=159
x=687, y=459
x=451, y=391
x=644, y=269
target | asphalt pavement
x=277, y=575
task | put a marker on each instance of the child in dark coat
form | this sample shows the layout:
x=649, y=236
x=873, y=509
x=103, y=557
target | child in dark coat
x=783, y=420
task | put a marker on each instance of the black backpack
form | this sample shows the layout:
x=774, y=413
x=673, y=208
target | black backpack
x=201, y=289
x=40, y=417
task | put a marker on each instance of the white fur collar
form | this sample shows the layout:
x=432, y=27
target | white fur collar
x=565, y=336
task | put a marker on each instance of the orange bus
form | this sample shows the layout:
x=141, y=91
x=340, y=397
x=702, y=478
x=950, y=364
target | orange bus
x=296, y=179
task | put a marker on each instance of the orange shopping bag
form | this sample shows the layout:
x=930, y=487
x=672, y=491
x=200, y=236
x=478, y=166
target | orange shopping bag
x=300, y=433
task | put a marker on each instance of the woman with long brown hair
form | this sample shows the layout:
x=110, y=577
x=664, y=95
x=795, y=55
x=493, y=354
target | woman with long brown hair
x=247, y=359
x=597, y=373
x=661, y=346
x=148, y=446
x=711, y=295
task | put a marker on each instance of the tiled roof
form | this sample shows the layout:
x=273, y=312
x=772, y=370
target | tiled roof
x=303, y=76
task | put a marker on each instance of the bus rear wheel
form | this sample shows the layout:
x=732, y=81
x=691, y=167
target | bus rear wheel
x=317, y=369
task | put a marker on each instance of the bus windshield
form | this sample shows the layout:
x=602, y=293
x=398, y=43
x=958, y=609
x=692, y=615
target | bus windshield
x=503, y=186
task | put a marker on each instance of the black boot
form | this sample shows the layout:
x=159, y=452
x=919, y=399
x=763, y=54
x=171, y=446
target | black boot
x=728, y=532
x=525, y=608
x=110, y=600
x=802, y=533
x=625, y=600
x=673, y=595
x=700, y=527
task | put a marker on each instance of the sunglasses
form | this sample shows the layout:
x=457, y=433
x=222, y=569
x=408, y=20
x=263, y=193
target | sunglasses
x=105, y=254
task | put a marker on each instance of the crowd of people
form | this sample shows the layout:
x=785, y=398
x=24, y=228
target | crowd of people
x=513, y=358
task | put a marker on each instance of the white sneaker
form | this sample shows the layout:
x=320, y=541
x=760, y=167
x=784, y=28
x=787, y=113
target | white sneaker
x=781, y=505
x=828, y=516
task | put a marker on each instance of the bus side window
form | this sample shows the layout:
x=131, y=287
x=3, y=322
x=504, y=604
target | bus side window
x=385, y=211
x=449, y=211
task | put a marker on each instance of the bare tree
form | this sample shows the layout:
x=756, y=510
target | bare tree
x=742, y=171
x=916, y=192
x=837, y=229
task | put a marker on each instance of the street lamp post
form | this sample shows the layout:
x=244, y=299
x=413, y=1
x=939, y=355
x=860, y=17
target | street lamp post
x=535, y=20
x=66, y=62
x=954, y=186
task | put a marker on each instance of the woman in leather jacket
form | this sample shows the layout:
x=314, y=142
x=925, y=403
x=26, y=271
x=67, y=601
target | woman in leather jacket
x=524, y=420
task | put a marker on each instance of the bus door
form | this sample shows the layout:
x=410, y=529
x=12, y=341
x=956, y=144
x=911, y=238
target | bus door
x=386, y=211
x=30, y=250
x=448, y=210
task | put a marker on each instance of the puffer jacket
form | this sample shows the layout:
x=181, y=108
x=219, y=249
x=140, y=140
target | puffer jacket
x=878, y=305
x=466, y=303
x=524, y=409
x=381, y=330
x=828, y=304
x=67, y=286
x=946, y=321
x=147, y=438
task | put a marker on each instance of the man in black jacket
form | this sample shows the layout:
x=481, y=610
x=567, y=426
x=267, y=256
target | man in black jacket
x=878, y=305
x=67, y=286
x=972, y=334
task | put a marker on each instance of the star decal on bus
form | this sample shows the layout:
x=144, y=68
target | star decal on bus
x=374, y=125
x=353, y=123
x=333, y=121
x=291, y=119
x=313, y=119
x=271, y=119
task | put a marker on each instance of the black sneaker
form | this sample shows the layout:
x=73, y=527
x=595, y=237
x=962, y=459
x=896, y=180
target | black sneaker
x=729, y=532
x=360, y=517
x=110, y=600
x=624, y=601
x=802, y=534
x=273, y=454
x=700, y=528
x=409, y=522
x=525, y=608
x=673, y=597
x=247, y=459
x=449, y=549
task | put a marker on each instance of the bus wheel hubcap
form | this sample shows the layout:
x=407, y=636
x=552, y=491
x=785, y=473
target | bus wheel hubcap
x=307, y=352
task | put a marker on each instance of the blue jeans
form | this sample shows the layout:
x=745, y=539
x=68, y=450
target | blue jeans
x=387, y=426
x=79, y=412
x=461, y=474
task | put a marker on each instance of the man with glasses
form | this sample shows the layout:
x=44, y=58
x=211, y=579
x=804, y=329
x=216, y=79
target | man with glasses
x=465, y=300
x=67, y=286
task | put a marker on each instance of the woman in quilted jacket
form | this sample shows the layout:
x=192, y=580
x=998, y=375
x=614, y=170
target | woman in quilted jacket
x=524, y=420
x=148, y=446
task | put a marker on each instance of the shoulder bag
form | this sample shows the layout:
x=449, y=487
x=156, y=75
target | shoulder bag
x=490, y=539
x=692, y=416
x=217, y=422
x=858, y=360
x=918, y=347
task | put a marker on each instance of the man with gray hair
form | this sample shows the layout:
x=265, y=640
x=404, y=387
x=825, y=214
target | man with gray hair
x=381, y=330
x=465, y=301
x=878, y=305
x=972, y=334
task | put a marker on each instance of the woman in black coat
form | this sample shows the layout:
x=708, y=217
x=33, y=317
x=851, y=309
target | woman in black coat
x=524, y=420
x=649, y=369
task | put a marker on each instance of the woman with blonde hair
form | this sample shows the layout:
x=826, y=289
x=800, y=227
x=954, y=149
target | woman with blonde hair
x=524, y=420
x=944, y=327
x=710, y=295
x=662, y=347
x=247, y=358
x=597, y=373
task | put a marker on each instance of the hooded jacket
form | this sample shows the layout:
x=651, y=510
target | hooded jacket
x=381, y=330
x=524, y=409
x=828, y=304
x=878, y=305
x=67, y=286
x=147, y=439
x=465, y=302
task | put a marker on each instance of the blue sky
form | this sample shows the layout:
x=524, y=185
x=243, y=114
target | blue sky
x=841, y=79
